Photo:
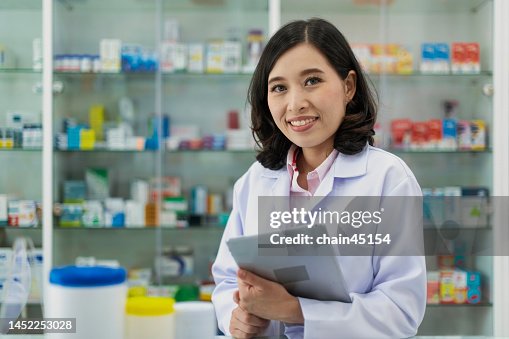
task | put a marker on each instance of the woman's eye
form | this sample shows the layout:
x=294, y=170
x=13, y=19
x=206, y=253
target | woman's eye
x=277, y=88
x=313, y=81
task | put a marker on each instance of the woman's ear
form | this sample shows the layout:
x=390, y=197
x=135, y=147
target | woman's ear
x=350, y=85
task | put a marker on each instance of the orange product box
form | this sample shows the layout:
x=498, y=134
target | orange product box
x=433, y=287
x=377, y=58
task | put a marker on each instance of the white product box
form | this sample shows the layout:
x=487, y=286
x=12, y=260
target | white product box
x=110, y=55
x=173, y=57
x=215, y=57
x=27, y=213
x=134, y=214
x=195, y=58
x=7, y=59
x=3, y=209
x=232, y=56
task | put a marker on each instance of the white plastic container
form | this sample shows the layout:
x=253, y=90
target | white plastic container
x=94, y=295
x=195, y=319
x=150, y=317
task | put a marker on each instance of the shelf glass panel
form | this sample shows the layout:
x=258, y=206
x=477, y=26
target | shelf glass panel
x=481, y=304
x=19, y=71
x=24, y=150
x=437, y=151
x=405, y=6
x=20, y=5
x=154, y=151
x=174, y=5
x=240, y=76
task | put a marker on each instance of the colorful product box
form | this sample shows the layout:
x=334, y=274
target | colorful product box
x=13, y=213
x=447, y=287
x=473, y=287
x=478, y=135
x=464, y=135
x=433, y=287
x=460, y=287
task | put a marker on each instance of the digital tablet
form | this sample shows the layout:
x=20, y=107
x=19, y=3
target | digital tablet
x=315, y=275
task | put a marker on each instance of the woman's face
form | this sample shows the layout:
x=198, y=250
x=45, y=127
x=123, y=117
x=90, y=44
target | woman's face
x=307, y=98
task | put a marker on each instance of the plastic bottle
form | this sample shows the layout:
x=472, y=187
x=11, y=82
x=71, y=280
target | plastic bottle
x=150, y=317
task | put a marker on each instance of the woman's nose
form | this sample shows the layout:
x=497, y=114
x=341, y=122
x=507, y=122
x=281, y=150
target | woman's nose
x=297, y=101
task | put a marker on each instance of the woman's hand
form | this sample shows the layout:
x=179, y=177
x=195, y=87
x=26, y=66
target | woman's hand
x=267, y=299
x=245, y=325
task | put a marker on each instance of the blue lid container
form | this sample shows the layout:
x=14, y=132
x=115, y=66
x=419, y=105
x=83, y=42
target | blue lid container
x=87, y=276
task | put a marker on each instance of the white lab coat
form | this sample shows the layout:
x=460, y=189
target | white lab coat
x=388, y=293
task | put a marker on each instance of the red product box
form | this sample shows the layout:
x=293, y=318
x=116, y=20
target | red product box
x=401, y=130
x=472, y=52
x=419, y=134
x=434, y=132
x=458, y=57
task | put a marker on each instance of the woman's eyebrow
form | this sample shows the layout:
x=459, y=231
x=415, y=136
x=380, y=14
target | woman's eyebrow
x=276, y=79
x=302, y=73
x=311, y=70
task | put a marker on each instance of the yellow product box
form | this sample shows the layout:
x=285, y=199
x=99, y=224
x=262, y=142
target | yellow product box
x=404, y=61
x=478, y=135
x=96, y=120
x=446, y=287
x=87, y=139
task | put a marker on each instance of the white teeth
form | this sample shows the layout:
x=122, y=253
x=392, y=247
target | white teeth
x=302, y=122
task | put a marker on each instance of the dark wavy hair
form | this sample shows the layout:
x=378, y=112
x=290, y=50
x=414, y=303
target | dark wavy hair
x=357, y=127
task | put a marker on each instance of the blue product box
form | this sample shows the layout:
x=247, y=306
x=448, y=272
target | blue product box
x=73, y=137
x=74, y=191
x=449, y=134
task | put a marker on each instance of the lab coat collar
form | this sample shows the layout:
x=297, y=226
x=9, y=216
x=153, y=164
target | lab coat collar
x=345, y=166
x=350, y=166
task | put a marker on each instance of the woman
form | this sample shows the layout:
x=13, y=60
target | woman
x=313, y=116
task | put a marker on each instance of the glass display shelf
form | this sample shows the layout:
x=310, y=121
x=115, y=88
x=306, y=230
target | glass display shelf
x=20, y=5
x=174, y=5
x=20, y=149
x=393, y=6
x=100, y=150
x=481, y=304
x=18, y=71
x=437, y=151
x=202, y=228
x=396, y=151
x=240, y=75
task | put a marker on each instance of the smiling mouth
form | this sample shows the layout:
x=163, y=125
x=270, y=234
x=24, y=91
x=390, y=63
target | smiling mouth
x=304, y=122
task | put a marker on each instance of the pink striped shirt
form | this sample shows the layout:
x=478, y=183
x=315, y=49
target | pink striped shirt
x=314, y=177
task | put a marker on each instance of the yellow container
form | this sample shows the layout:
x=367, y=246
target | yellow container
x=150, y=317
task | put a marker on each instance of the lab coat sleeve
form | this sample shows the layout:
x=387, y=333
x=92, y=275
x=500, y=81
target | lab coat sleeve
x=224, y=269
x=394, y=307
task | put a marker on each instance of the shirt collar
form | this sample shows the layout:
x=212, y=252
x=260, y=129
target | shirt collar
x=345, y=166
